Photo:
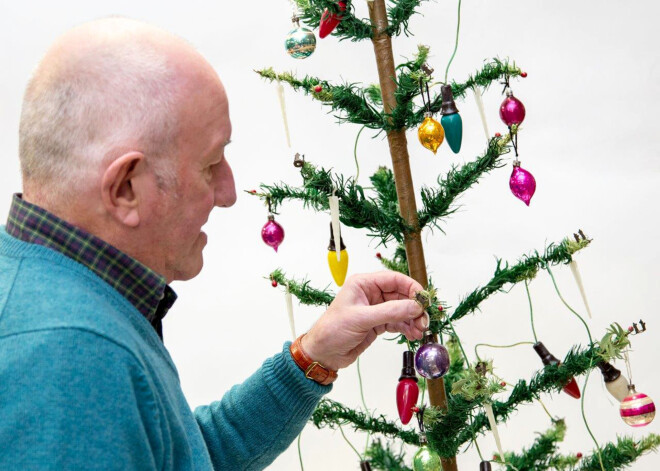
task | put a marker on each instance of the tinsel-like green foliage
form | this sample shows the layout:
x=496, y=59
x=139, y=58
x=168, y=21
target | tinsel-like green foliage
x=453, y=429
x=541, y=453
x=621, y=455
x=448, y=431
x=456, y=363
x=437, y=202
x=355, y=209
x=331, y=414
x=302, y=290
x=349, y=27
x=381, y=214
x=381, y=457
x=399, y=262
x=353, y=102
x=359, y=105
x=525, y=269
x=614, y=342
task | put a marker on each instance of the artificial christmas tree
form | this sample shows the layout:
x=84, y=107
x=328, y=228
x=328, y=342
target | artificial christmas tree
x=454, y=417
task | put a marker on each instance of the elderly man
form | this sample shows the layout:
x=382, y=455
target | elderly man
x=122, y=146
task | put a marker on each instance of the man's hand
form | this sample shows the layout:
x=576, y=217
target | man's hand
x=364, y=308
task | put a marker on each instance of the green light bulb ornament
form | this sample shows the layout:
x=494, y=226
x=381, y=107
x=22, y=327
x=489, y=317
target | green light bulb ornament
x=451, y=121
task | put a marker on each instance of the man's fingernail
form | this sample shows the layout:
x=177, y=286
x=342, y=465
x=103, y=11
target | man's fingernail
x=427, y=320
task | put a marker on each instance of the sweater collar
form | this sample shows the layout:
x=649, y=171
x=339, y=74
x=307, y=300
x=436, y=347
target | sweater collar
x=141, y=286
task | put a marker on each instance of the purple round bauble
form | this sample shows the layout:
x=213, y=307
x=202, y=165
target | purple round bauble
x=432, y=360
x=522, y=184
x=272, y=233
x=512, y=111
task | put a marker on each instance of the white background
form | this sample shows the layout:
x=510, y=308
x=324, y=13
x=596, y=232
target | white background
x=590, y=139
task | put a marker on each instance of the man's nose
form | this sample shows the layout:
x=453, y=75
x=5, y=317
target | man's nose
x=225, y=187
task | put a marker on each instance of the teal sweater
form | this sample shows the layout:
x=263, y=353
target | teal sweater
x=85, y=382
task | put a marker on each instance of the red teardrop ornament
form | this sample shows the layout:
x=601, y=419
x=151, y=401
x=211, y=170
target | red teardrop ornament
x=329, y=21
x=407, y=393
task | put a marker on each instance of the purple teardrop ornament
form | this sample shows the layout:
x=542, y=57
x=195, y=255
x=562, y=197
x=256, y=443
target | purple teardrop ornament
x=522, y=183
x=432, y=360
x=512, y=111
x=272, y=233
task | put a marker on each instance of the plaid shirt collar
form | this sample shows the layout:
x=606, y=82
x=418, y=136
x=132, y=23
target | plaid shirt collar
x=141, y=286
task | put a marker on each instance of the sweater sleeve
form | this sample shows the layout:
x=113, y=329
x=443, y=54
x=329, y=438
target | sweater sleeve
x=70, y=399
x=257, y=420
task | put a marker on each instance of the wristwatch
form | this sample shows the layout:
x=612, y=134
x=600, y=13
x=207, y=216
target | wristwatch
x=313, y=369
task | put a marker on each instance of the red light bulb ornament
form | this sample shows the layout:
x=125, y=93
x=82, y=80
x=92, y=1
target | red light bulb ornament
x=329, y=21
x=571, y=388
x=407, y=390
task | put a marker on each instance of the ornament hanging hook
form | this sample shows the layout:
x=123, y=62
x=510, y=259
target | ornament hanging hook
x=270, y=209
x=419, y=413
x=426, y=100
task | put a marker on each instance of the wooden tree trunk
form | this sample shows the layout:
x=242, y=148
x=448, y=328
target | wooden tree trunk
x=404, y=186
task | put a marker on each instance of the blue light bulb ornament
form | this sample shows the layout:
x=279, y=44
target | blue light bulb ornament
x=451, y=121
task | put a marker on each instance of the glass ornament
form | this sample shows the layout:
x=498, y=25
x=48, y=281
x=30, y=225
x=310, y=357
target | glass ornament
x=512, y=111
x=522, y=183
x=426, y=460
x=637, y=409
x=430, y=133
x=300, y=42
x=432, y=359
x=272, y=233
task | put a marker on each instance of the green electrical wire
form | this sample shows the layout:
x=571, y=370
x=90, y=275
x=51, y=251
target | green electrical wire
x=569, y=307
x=531, y=311
x=357, y=165
x=302, y=468
x=586, y=424
x=458, y=29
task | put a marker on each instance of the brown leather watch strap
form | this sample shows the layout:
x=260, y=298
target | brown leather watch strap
x=313, y=369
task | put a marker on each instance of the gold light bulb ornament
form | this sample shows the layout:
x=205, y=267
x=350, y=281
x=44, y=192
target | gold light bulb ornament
x=430, y=133
x=338, y=268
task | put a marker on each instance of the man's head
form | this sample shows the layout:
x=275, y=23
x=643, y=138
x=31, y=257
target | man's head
x=123, y=133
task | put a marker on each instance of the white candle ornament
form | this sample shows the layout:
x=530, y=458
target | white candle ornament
x=289, y=309
x=280, y=97
x=578, y=280
x=333, y=201
x=482, y=113
x=493, y=427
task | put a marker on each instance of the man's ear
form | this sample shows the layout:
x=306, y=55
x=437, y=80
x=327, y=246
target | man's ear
x=117, y=192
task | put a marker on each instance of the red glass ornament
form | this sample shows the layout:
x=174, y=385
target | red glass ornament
x=512, y=111
x=407, y=390
x=571, y=388
x=318, y=89
x=579, y=455
x=274, y=283
x=523, y=74
x=378, y=255
x=329, y=21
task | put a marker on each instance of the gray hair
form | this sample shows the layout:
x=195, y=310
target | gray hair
x=87, y=108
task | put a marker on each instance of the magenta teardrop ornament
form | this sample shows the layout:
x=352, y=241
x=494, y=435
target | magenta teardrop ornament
x=272, y=233
x=522, y=183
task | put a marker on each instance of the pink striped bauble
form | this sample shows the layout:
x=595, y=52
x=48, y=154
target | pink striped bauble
x=637, y=409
